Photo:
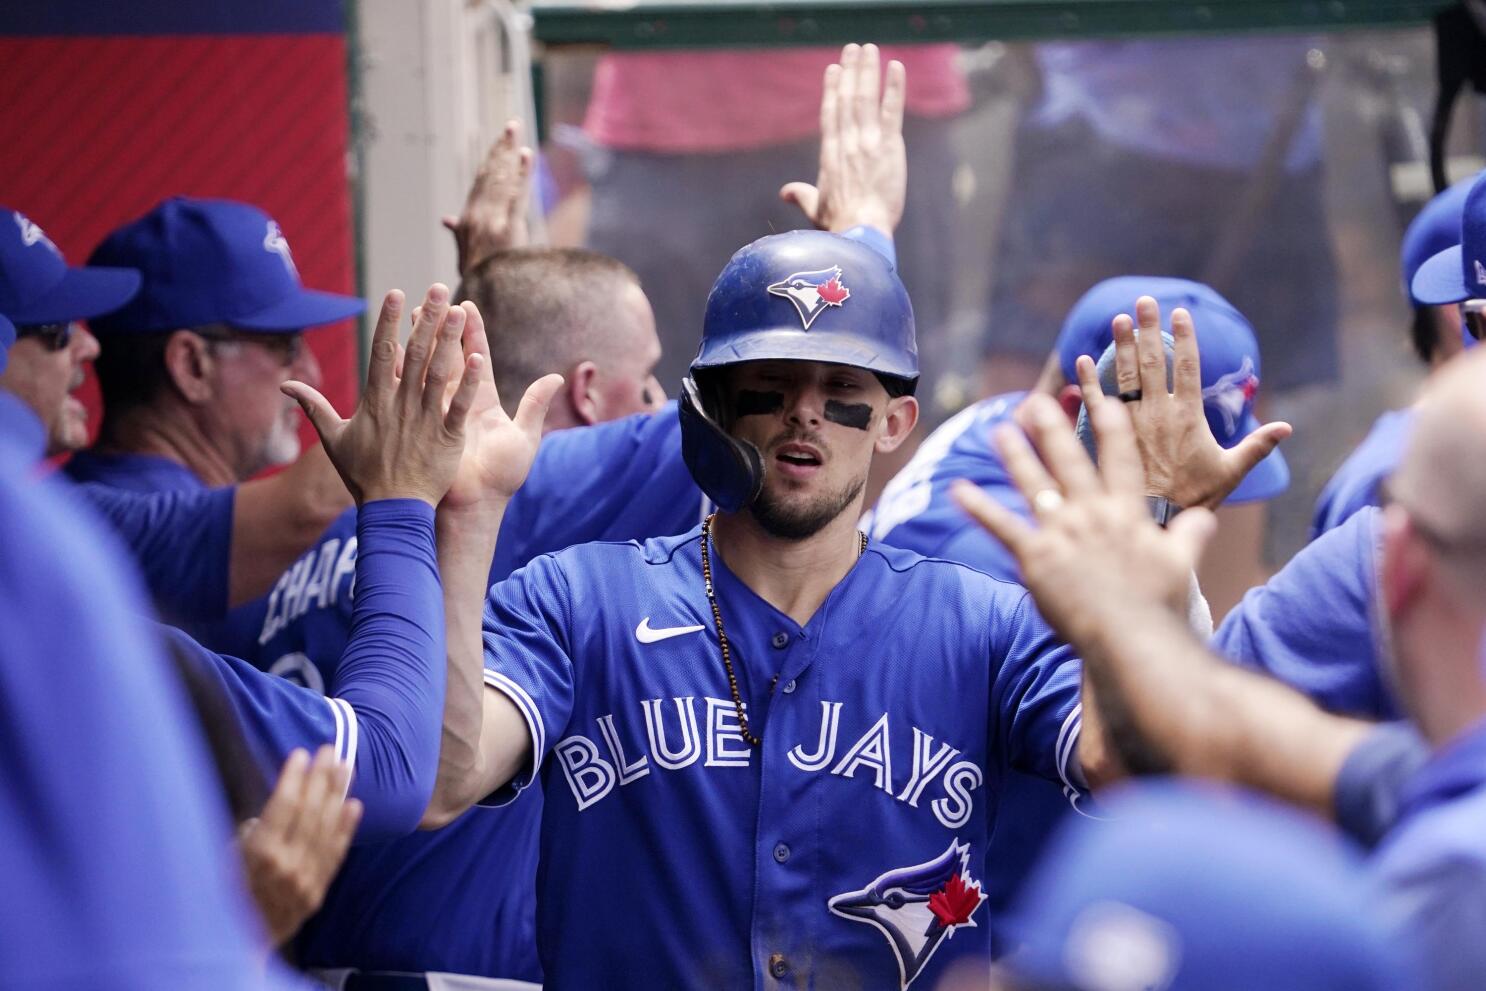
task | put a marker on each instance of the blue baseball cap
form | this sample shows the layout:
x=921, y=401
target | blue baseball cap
x=1436, y=228
x=213, y=261
x=1458, y=273
x=1230, y=362
x=38, y=286
x=7, y=338
x=1199, y=888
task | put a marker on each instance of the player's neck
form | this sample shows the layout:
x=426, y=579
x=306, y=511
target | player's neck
x=175, y=438
x=793, y=576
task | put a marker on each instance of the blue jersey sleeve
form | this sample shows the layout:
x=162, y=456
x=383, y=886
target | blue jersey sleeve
x=384, y=713
x=622, y=480
x=527, y=657
x=1313, y=625
x=1036, y=699
x=1355, y=486
x=182, y=542
x=1372, y=780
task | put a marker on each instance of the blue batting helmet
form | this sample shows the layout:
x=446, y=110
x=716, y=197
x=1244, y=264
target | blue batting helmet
x=803, y=296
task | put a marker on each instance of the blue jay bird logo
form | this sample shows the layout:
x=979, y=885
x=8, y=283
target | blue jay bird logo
x=1231, y=394
x=916, y=908
x=813, y=293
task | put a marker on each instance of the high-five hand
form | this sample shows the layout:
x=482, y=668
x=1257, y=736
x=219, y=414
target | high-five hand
x=863, y=162
x=1183, y=460
x=1094, y=552
x=494, y=216
x=407, y=436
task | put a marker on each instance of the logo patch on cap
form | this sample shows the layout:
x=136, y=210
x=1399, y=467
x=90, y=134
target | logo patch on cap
x=813, y=292
x=275, y=241
x=1232, y=392
x=32, y=234
x=1480, y=274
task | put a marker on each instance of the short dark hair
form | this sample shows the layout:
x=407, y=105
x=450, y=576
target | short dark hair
x=545, y=310
x=131, y=370
x=1423, y=334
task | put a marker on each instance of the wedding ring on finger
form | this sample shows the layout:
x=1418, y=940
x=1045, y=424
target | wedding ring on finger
x=1130, y=396
x=1047, y=501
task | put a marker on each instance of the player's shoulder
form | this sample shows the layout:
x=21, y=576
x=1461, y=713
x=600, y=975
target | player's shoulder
x=931, y=572
x=598, y=562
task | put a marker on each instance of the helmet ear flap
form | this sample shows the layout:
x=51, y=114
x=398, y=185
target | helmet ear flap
x=728, y=470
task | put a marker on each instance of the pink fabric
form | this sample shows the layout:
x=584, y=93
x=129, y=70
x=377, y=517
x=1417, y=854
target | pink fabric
x=699, y=102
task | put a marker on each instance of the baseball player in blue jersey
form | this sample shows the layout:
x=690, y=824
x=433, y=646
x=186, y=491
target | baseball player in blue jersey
x=749, y=682
x=1437, y=337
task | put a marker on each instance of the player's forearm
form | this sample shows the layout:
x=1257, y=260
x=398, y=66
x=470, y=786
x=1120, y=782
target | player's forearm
x=274, y=520
x=1167, y=704
x=466, y=546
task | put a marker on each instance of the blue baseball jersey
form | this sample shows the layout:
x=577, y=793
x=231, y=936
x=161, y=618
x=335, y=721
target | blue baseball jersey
x=1317, y=625
x=112, y=839
x=850, y=849
x=916, y=513
x=178, y=530
x=1430, y=868
x=1355, y=484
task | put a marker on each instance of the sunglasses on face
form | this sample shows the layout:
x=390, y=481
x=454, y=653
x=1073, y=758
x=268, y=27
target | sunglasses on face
x=55, y=336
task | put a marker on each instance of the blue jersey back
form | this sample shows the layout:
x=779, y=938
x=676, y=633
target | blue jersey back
x=1355, y=484
x=852, y=845
x=1316, y=625
x=915, y=510
x=113, y=839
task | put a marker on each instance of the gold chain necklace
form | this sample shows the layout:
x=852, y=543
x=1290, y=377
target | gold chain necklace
x=722, y=637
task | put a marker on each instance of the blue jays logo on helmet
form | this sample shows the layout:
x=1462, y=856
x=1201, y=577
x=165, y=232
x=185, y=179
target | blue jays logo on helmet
x=1233, y=393
x=812, y=292
x=917, y=907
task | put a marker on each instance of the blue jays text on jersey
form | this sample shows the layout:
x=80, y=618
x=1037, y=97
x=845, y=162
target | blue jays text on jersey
x=849, y=848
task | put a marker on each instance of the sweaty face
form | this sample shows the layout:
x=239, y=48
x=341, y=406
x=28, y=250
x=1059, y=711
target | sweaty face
x=253, y=421
x=815, y=425
x=45, y=380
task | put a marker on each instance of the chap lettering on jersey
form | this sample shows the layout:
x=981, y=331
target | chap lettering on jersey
x=679, y=732
x=315, y=580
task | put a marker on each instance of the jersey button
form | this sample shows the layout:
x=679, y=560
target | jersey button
x=781, y=852
x=789, y=687
x=778, y=966
x=781, y=640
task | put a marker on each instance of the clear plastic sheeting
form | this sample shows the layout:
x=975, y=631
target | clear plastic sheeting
x=1281, y=169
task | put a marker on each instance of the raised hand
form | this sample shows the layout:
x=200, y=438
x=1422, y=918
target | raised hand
x=1183, y=460
x=292, y=851
x=498, y=448
x=863, y=162
x=407, y=436
x=494, y=216
x=1094, y=552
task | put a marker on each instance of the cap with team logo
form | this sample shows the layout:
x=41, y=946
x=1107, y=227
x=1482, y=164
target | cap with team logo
x=213, y=261
x=1458, y=273
x=1436, y=228
x=1196, y=888
x=38, y=286
x=1229, y=353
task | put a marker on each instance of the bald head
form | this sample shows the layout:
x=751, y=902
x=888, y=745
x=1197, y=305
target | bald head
x=556, y=309
x=1442, y=477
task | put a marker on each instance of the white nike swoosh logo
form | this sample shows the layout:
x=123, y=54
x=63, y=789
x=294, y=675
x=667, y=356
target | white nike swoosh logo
x=645, y=634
